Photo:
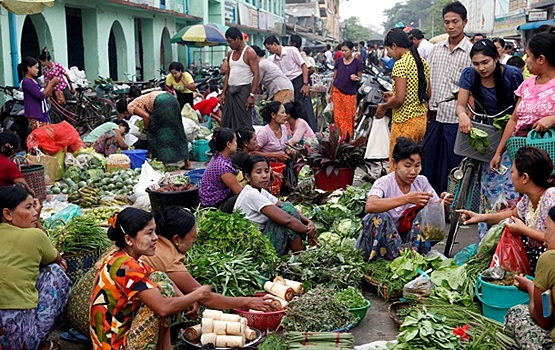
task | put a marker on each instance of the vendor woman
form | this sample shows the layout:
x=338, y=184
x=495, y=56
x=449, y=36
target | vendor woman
x=176, y=230
x=392, y=222
x=106, y=138
x=219, y=181
x=284, y=225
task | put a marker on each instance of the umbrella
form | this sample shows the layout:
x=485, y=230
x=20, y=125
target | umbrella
x=26, y=7
x=200, y=35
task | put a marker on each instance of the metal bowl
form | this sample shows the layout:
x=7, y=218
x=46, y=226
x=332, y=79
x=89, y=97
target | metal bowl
x=197, y=345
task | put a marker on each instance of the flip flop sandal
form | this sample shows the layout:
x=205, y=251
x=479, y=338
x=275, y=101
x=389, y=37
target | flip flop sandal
x=75, y=337
x=53, y=345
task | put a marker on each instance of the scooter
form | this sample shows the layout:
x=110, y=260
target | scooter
x=370, y=94
x=12, y=114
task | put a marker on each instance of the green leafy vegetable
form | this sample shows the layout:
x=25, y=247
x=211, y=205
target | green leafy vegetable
x=273, y=342
x=478, y=139
x=81, y=234
x=351, y=297
x=501, y=122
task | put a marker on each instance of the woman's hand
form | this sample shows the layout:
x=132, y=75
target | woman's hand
x=516, y=226
x=194, y=310
x=202, y=293
x=386, y=96
x=259, y=303
x=281, y=156
x=380, y=111
x=464, y=123
x=469, y=217
x=495, y=162
x=523, y=283
x=544, y=123
x=447, y=198
x=418, y=198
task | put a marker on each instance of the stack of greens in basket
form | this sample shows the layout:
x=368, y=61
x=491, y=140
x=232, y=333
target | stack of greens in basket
x=81, y=235
x=230, y=253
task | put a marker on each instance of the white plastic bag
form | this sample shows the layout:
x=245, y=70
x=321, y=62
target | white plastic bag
x=148, y=177
x=134, y=129
x=192, y=129
x=377, y=146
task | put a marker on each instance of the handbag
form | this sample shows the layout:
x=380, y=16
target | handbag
x=60, y=97
x=545, y=141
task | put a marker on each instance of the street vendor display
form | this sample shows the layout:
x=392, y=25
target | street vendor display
x=393, y=206
x=32, y=297
x=143, y=296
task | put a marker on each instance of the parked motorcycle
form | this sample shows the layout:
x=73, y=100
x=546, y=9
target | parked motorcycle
x=211, y=77
x=12, y=114
x=369, y=95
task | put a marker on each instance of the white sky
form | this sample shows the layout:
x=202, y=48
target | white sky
x=370, y=12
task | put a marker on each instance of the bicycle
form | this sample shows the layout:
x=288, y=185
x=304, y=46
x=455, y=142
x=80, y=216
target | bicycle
x=83, y=114
x=468, y=172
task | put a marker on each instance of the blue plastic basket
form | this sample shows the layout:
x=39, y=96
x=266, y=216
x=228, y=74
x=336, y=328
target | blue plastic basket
x=137, y=157
x=195, y=176
x=200, y=147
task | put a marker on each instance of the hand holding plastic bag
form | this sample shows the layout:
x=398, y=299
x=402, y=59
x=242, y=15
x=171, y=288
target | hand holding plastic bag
x=432, y=224
x=511, y=254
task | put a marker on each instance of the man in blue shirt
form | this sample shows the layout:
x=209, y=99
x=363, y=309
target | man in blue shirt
x=363, y=53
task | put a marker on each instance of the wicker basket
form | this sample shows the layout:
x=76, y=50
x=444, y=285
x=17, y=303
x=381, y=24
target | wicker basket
x=34, y=176
x=382, y=291
x=393, y=310
x=78, y=265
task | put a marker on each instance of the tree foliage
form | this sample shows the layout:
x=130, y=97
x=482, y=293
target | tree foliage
x=354, y=31
x=422, y=14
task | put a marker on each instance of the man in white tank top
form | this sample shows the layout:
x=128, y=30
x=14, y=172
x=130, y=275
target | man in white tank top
x=241, y=82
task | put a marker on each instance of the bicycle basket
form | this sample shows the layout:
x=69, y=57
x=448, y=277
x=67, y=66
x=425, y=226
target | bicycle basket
x=534, y=139
x=463, y=149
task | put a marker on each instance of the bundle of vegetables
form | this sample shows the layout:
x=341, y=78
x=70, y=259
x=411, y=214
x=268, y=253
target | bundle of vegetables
x=351, y=297
x=81, y=235
x=320, y=340
x=222, y=232
x=482, y=332
x=273, y=342
x=478, y=139
x=380, y=273
x=316, y=311
x=354, y=198
x=424, y=329
x=332, y=266
x=234, y=273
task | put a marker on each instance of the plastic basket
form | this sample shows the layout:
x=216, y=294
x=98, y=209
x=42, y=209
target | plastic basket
x=137, y=157
x=463, y=149
x=195, y=176
x=360, y=311
x=34, y=176
x=200, y=147
x=534, y=139
x=497, y=300
x=275, y=188
x=161, y=200
x=262, y=320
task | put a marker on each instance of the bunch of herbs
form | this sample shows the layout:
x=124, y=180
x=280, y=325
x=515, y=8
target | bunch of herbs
x=352, y=297
x=81, y=235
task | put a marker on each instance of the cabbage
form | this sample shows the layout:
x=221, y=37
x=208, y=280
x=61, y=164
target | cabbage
x=72, y=173
x=329, y=238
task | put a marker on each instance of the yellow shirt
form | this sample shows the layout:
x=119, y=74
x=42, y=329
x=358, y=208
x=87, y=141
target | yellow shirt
x=23, y=251
x=412, y=107
x=166, y=259
x=179, y=86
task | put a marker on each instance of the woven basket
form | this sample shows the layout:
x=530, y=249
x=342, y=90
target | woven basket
x=393, y=309
x=34, y=176
x=78, y=265
x=382, y=291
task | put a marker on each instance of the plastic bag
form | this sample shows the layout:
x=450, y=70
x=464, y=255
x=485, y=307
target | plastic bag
x=49, y=163
x=64, y=216
x=420, y=287
x=511, y=254
x=328, y=111
x=192, y=129
x=148, y=177
x=432, y=223
x=465, y=254
x=188, y=112
x=377, y=146
x=53, y=138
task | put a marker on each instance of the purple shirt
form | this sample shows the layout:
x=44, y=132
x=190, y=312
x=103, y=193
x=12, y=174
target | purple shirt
x=213, y=189
x=35, y=103
x=268, y=141
x=387, y=187
x=343, y=76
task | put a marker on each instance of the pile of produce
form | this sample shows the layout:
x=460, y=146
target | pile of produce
x=174, y=187
x=478, y=139
x=273, y=342
x=351, y=297
x=235, y=273
x=234, y=233
x=317, y=311
x=101, y=215
x=221, y=330
x=85, y=197
x=332, y=266
x=80, y=235
x=116, y=183
x=320, y=341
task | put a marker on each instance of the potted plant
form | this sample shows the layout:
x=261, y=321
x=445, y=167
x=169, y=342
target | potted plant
x=334, y=159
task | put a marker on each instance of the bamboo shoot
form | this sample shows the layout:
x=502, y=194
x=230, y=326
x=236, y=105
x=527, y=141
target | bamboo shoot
x=215, y=314
x=230, y=341
x=193, y=333
x=208, y=338
x=279, y=290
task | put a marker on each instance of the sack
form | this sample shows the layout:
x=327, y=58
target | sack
x=511, y=254
x=406, y=219
x=53, y=138
x=377, y=146
x=189, y=112
x=49, y=163
x=545, y=141
x=60, y=97
x=432, y=224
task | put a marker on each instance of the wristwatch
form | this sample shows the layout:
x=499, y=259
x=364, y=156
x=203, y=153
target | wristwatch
x=251, y=94
x=305, y=83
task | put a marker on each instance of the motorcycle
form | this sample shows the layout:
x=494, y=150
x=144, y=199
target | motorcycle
x=12, y=113
x=212, y=77
x=369, y=95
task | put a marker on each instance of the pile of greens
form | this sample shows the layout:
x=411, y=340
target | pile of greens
x=234, y=273
x=81, y=235
x=273, y=342
x=317, y=311
x=332, y=266
x=234, y=233
x=478, y=139
x=352, y=297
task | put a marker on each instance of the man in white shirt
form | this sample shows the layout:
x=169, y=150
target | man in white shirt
x=424, y=46
x=328, y=54
x=291, y=63
x=447, y=61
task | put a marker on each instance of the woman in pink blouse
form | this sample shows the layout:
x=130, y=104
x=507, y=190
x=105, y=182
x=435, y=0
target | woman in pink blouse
x=298, y=129
x=63, y=90
x=272, y=138
x=535, y=108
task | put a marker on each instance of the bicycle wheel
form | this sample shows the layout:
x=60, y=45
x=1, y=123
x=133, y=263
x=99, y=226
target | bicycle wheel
x=107, y=108
x=92, y=118
x=55, y=116
x=460, y=203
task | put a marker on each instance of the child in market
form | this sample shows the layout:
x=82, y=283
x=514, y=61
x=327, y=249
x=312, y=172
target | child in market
x=9, y=171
